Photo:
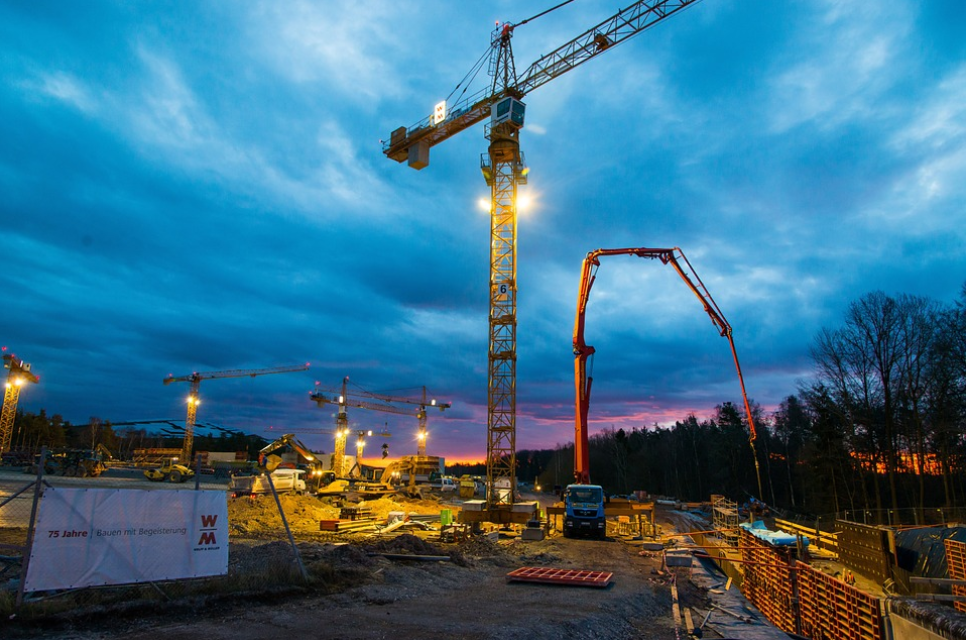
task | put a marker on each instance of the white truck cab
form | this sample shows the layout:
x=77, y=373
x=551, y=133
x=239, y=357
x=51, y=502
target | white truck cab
x=285, y=481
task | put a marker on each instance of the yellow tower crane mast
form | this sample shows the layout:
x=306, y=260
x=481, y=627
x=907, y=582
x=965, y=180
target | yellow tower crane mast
x=360, y=399
x=18, y=374
x=504, y=169
x=194, y=399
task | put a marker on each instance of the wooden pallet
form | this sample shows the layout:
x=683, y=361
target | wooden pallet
x=568, y=577
x=343, y=526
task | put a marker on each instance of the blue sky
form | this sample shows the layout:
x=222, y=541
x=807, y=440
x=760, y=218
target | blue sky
x=199, y=186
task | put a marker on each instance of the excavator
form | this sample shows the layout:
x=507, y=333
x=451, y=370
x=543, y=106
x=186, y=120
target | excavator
x=318, y=478
x=582, y=351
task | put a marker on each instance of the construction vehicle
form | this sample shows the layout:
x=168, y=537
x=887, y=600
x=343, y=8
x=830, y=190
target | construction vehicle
x=194, y=399
x=504, y=169
x=84, y=463
x=73, y=463
x=582, y=351
x=18, y=374
x=356, y=471
x=467, y=488
x=284, y=481
x=316, y=477
x=584, y=511
x=169, y=471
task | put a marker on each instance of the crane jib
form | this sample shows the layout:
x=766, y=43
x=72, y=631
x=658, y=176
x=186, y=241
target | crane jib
x=621, y=26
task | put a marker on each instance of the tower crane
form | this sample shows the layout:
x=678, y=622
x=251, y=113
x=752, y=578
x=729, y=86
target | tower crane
x=194, y=399
x=583, y=351
x=504, y=168
x=18, y=374
x=362, y=399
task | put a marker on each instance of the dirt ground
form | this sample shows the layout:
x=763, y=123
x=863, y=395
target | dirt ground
x=464, y=596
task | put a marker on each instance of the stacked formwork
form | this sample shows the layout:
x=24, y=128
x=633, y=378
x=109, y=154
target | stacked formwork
x=799, y=599
x=956, y=565
x=769, y=583
x=830, y=609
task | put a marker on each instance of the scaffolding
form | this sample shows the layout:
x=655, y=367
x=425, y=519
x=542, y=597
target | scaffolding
x=725, y=518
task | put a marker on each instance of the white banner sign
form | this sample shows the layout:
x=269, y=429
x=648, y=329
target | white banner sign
x=90, y=537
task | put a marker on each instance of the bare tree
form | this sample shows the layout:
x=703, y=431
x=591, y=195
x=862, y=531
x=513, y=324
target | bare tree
x=918, y=334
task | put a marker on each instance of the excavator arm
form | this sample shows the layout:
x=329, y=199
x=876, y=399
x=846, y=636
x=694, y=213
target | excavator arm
x=582, y=351
x=287, y=440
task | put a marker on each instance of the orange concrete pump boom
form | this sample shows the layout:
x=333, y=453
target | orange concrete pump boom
x=582, y=351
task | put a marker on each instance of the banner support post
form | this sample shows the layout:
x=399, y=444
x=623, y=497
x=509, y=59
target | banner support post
x=281, y=512
x=38, y=489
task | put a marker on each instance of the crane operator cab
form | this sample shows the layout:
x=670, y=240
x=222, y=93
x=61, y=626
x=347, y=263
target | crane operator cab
x=510, y=110
x=584, y=511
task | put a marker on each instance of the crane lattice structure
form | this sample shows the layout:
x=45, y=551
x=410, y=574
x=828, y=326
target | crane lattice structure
x=361, y=399
x=504, y=170
x=194, y=399
x=18, y=374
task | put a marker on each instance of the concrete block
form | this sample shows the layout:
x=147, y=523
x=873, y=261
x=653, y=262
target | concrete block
x=531, y=534
x=678, y=559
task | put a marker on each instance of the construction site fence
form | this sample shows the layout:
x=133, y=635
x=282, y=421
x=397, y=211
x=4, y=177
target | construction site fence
x=905, y=517
x=22, y=498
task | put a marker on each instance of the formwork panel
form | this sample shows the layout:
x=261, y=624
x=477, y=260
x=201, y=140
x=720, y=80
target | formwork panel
x=956, y=563
x=768, y=582
x=830, y=609
x=865, y=549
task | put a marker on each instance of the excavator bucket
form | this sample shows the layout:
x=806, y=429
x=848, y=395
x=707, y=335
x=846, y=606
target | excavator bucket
x=271, y=462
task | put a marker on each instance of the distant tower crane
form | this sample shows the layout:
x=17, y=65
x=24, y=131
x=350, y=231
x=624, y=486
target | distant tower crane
x=359, y=399
x=504, y=169
x=194, y=399
x=583, y=351
x=18, y=375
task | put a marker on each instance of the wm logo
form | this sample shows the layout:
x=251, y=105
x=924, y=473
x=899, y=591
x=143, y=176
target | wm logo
x=207, y=529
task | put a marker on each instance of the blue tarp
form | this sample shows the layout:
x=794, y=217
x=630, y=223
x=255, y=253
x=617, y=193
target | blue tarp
x=776, y=538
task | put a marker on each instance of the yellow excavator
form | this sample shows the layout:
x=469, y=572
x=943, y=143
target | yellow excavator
x=316, y=477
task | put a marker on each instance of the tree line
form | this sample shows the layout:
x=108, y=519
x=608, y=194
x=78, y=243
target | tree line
x=877, y=434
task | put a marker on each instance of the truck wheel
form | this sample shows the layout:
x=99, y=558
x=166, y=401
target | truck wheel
x=175, y=476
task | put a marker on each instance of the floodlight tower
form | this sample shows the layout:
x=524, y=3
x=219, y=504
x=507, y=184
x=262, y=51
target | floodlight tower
x=18, y=375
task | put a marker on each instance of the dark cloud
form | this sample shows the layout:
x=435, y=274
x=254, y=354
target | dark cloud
x=202, y=188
